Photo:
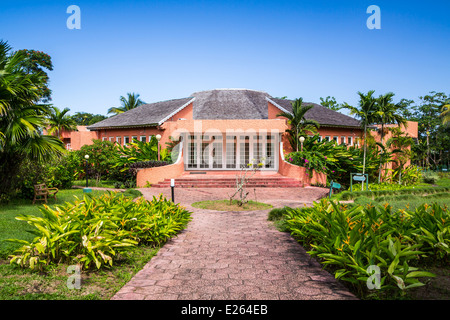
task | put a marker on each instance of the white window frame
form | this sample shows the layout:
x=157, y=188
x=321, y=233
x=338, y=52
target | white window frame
x=125, y=138
x=117, y=140
x=350, y=140
x=111, y=139
x=145, y=137
x=327, y=138
x=105, y=139
x=343, y=140
x=134, y=138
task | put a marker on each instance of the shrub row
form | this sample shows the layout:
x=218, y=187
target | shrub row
x=352, y=242
x=96, y=231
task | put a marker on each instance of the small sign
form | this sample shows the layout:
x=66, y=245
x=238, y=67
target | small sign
x=359, y=178
x=336, y=185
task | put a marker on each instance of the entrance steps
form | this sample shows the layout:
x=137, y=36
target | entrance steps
x=229, y=181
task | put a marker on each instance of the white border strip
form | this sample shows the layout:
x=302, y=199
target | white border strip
x=277, y=105
x=176, y=111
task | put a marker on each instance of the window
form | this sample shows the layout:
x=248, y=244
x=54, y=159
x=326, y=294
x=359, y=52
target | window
x=111, y=139
x=349, y=141
x=327, y=138
x=105, y=139
x=150, y=138
x=133, y=138
x=126, y=140
x=119, y=140
x=343, y=140
x=143, y=138
x=319, y=138
x=335, y=138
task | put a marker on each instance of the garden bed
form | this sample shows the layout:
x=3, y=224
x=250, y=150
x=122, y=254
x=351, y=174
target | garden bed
x=129, y=232
x=224, y=205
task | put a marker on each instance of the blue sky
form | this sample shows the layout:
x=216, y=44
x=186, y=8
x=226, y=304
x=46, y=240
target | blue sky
x=170, y=49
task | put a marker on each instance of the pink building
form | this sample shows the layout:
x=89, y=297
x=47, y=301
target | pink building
x=222, y=130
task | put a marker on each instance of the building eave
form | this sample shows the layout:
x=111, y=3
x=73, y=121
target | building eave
x=124, y=127
x=176, y=111
x=277, y=105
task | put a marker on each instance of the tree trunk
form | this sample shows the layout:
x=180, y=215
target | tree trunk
x=381, y=158
x=364, y=159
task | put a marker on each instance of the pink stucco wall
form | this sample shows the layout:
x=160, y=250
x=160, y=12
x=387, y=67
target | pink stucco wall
x=157, y=174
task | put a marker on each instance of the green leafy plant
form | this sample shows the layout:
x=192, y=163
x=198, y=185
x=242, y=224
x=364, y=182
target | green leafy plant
x=97, y=231
x=350, y=240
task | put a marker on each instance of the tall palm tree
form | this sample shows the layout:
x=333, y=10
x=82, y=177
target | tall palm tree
x=60, y=120
x=21, y=119
x=132, y=101
x=299, y=124
x=366, y=113
x=387, y=113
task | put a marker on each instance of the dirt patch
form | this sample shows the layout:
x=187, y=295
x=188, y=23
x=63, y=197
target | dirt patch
x=437, y=288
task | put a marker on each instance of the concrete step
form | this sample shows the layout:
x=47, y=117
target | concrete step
x=260, y=182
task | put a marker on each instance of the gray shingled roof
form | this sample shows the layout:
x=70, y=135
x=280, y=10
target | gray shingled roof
x=149, y=114
x=220, y=104
x=231, y=104
x=324, y=116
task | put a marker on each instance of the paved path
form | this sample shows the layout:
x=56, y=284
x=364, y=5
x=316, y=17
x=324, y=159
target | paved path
x=233, y=255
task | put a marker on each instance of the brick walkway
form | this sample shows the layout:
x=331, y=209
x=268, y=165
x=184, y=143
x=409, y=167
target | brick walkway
x=233, y=255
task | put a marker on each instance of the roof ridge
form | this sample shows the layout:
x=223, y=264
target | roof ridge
x=230, y=89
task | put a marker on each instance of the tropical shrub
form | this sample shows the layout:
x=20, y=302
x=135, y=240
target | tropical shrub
x=96, y=231
x=349, y=241
x=146, y=164
x=56, y=173
x=430, y=177
x=337, y=161
x=102, y=161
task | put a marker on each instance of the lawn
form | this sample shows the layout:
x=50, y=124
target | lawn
x=12, y=228
x=224, y=205
x=23, y=284
x=94, y=183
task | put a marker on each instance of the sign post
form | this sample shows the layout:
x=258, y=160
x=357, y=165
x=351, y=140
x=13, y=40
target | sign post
x=360, y=178
x=333, y=185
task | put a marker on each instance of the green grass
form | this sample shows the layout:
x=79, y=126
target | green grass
x=94, y=183
x=23, y=284
x=410, y=202
x=404, y=198
x=224, y=205
x=12, y=228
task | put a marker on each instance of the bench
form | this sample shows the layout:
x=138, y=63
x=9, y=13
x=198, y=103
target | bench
x=41, y=192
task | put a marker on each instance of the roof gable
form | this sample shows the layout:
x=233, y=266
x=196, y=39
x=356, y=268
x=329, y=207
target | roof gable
x=324, y=116
x=150, y=114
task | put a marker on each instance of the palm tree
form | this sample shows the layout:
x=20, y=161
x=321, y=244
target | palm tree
x=299, y=124
x=387, y=113
x=21, y=119
x=446, y=113
x=60, y=120
x=366, y=113
x=131, y=102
